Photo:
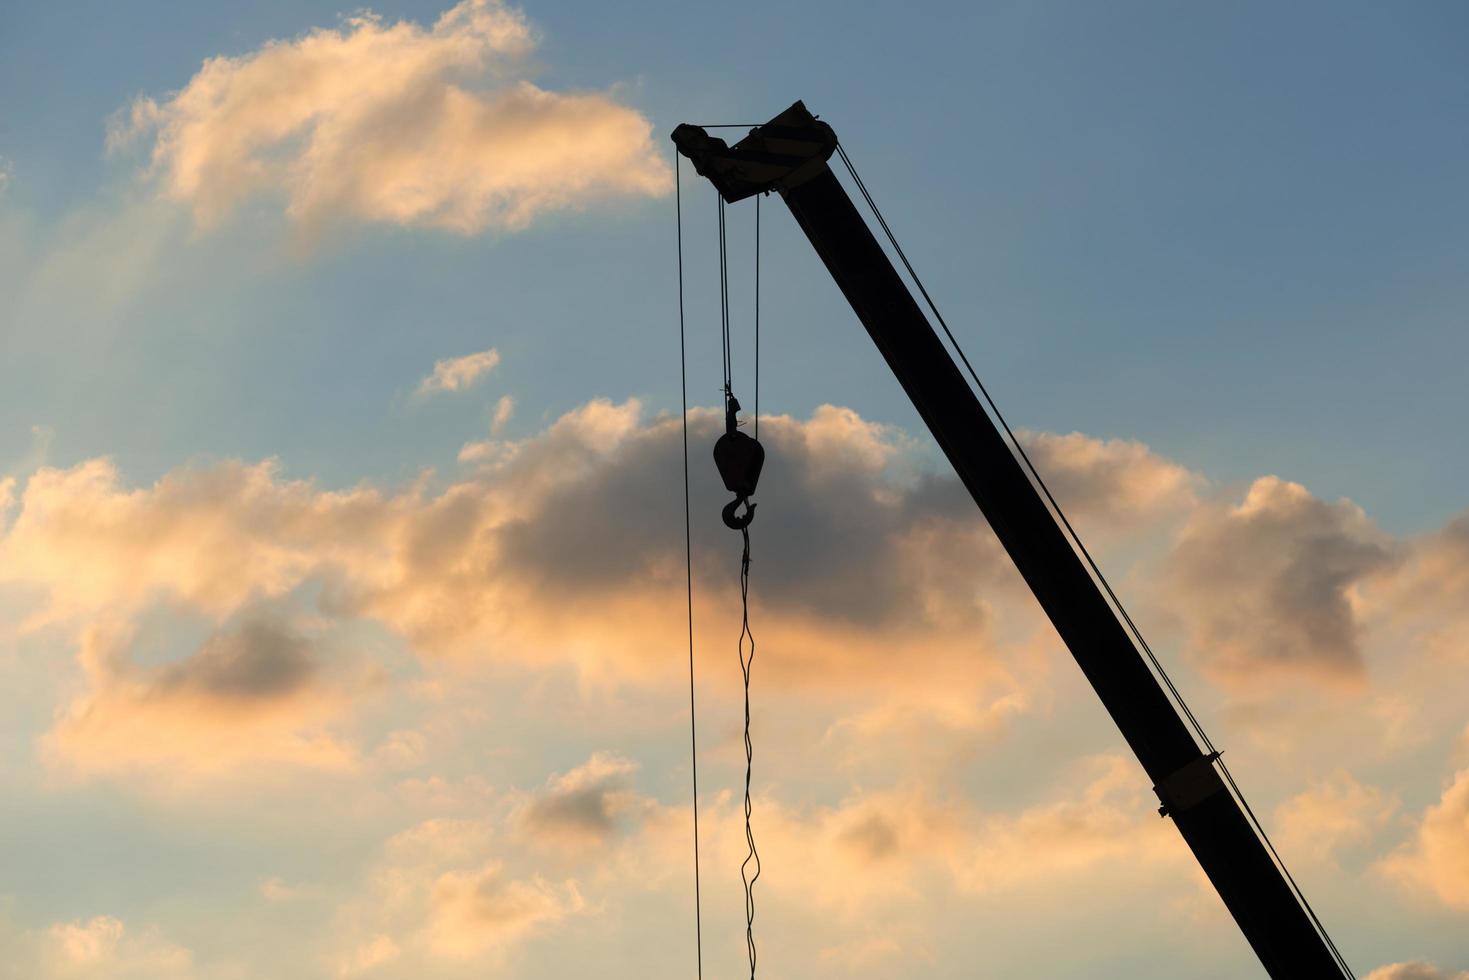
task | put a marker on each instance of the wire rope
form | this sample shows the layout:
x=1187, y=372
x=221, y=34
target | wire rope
x=747, y=660
x=688, y=539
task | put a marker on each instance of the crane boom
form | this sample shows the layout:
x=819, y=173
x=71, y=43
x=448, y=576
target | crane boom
x=789, y=155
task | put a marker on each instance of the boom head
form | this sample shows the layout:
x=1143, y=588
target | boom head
x=784, y=153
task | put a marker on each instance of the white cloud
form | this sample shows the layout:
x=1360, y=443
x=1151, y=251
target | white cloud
x=458, y=373
x=395, y=123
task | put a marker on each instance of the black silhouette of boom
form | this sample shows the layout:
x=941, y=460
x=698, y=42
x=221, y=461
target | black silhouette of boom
x=789, y=156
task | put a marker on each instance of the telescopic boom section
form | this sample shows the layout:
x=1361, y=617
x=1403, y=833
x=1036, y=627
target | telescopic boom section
x=789, y=155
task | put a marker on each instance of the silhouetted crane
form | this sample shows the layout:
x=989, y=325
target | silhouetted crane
x=789, y=156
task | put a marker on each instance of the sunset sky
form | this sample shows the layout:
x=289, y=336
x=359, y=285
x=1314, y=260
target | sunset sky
x=341, y=544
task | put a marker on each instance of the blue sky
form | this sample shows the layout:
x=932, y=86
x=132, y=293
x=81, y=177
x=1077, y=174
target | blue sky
x=1233, y=234
x=282, y=623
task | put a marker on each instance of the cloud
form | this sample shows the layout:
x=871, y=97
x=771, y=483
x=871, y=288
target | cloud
x=587, y=806
x=279, y=890
x=504, y=409
x=1437, y=861
x=374, y=953
x=252, y=693
x=99, y=948
x=1112, y=822
x=1430, y=592
x=852, y=541
x=1112, y=481
x=213, y=538
x=876, y=849
x=1269, y=584
x=1416, y=970
x=439, y=894
x=1335, y=813
x=480, y=911
x=458, y=373
x=395, y=123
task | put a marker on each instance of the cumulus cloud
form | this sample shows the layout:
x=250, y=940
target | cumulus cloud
x=99, y=948
x=586, y=806
x=1437, y=861
x=439, y=893
x=1336, y=813
x=211, y=537
x=1111, y=481
x=1430, y=593
x=458, y=373
x=1111, y=822
x=394, y=122
x=560, y=546
x=879, y=848
x=371, y=954
x=1415, y=970
x=1271, y=583
x=479, y=911
x=561, y=549
x=252, y=693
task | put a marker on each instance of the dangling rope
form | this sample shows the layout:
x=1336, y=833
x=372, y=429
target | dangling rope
x=752, y=856
x=688, y=543
x=746, y=661
x=1132, y=627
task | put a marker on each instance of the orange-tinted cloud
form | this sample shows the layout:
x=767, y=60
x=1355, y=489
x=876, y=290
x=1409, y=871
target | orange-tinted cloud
x=101, y=947
x=1437, y=861
x=1415, y=970
x=1430, y=593
x=441, y=893
x=1269, y=584
x=458, y=373
x=1110, y=482
x=1334, y=814
x=396, y=123
x=254, y=693
x=586, y=807
x=565, y=548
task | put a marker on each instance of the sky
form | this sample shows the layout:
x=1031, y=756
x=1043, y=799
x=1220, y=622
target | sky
x=342, y=600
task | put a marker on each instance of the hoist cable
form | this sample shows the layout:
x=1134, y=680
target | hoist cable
x=746, y=662
x=1132, y=627
x=724, y=303
x=757, y=317
x=688, y=543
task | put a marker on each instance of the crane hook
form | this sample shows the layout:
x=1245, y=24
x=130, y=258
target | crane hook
x=738, y=522
x=739, y=459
